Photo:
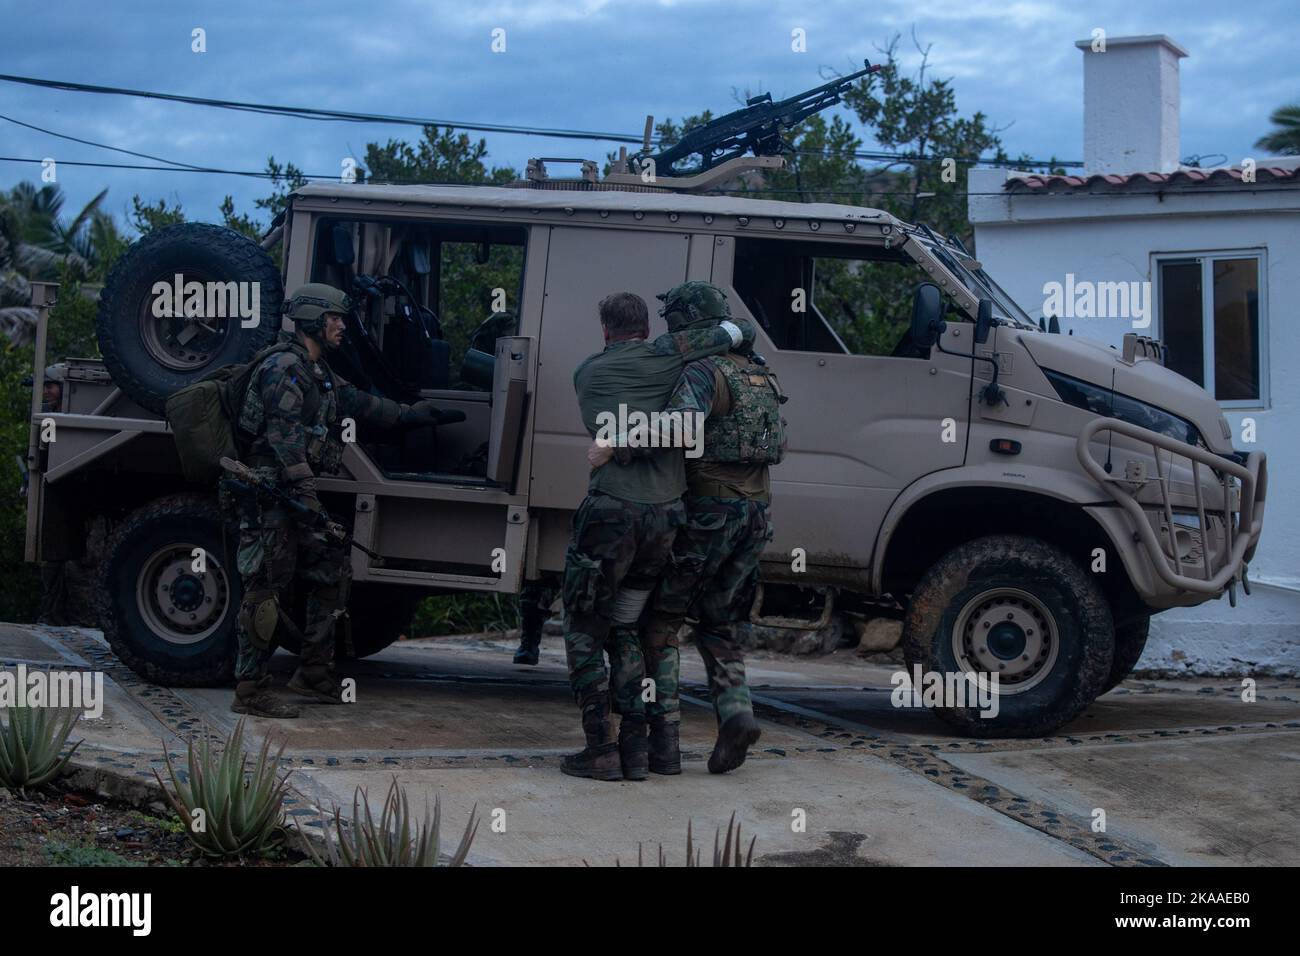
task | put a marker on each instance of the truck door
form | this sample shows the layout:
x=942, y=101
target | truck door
x=867, y=416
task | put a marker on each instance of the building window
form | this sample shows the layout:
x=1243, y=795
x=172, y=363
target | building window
x=1212, y=322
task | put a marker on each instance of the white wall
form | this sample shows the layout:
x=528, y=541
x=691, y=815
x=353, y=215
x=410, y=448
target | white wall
x=1027, y=241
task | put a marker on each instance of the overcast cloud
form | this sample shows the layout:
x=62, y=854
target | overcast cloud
x=597, y=65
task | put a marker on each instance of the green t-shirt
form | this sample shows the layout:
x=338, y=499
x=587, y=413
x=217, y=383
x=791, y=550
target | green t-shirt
x=641, y=375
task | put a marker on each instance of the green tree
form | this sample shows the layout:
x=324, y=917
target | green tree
x=1285, y=140
x=440, y=156
x=917, y=116
x=146, y=217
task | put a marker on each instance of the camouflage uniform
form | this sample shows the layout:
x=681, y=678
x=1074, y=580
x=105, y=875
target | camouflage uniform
x=715, y=564
x=616, y=544
x=294, y=408
x=299, y=404
x=715, y=560
x=622, y=538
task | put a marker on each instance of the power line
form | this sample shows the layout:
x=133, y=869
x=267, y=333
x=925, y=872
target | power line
x=301, y=112
x=1193, y=190
x=173, y=169
x=87, y=142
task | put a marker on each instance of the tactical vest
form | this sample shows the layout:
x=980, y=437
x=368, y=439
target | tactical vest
x=320, y=418
x=753, y=431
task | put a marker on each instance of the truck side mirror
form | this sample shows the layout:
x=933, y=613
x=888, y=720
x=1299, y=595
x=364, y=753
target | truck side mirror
x=983, y=321
x=927, y=315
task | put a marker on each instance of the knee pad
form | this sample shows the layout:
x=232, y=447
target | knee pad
x=259, y=613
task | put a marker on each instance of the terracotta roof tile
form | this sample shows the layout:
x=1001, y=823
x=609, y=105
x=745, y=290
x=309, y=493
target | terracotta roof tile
x=1221, y=176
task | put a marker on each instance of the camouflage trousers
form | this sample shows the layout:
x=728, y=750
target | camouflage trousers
x=616, y=544
x=713, y=577
x=274, y=553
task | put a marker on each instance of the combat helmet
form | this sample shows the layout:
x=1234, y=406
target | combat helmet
x=309, y=303
x=693, y=302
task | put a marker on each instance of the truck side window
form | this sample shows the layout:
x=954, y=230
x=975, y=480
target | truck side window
x=827, y=297
x=476, y=282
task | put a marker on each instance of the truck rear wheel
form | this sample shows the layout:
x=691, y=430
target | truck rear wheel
x=1130, y=642
x=150, y=357
x=166, y=614
x=1019, y=608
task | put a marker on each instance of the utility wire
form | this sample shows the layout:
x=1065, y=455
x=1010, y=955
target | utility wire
x=301, y=112
x=87, y=142
x=1192, y=190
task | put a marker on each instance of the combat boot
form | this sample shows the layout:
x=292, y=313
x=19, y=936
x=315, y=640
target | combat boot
x=255, y=697
x=529, y=646
x=600, y=759
x=318, y=683
x=633, y=748
x=665, y=752
x=734, y=739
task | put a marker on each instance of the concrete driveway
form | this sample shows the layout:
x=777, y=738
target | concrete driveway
x=1185, y=772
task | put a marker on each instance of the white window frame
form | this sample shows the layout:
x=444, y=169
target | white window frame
x=1207, y=256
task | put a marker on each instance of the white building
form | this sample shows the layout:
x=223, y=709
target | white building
x=1216, y=255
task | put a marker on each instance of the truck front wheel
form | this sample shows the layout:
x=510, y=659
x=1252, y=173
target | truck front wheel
x=169, y=594
x=1018, y=608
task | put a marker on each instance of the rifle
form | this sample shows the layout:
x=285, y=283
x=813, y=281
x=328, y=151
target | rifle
x=243, y=481
x=757, y=126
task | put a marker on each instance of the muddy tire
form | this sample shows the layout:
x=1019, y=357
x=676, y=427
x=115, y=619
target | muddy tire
x=1023, y=609
x=150, y=357
x=168, y=623
x=380, y=614
x=1130, y=642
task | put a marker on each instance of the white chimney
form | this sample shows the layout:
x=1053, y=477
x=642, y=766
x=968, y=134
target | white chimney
x=1130, y=104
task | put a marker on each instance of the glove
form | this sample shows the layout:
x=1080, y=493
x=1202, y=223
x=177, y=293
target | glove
x=424, y=412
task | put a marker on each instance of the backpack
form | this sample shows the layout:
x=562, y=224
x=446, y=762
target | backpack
x=204, y=417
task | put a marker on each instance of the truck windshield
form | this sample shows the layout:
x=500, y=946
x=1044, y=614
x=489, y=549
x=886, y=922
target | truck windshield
x=978, y=282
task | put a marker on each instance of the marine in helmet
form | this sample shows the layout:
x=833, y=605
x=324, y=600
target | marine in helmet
x=52, y=388
x=623, y=530
x=714, y=569
x=295, y=406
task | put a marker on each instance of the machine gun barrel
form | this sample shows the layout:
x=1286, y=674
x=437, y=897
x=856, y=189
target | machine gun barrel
x=758, y=126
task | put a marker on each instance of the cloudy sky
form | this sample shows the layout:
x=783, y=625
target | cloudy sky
x=579, y=64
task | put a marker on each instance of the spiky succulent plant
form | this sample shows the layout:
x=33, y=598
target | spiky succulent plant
x=30, y=744
x=728, y=854
x=397, y=840
x=226, y=808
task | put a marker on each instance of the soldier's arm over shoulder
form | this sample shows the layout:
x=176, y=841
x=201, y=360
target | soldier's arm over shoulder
x=696, y=343
x=694, y=392
x=366, y=408
x=695, y=389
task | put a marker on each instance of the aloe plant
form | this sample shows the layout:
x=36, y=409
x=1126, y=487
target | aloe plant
x=397, y=840
x=30, y=745
x=726, y=855
x=228, y=809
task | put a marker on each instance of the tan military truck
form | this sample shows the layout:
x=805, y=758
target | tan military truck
x=1028, y=499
